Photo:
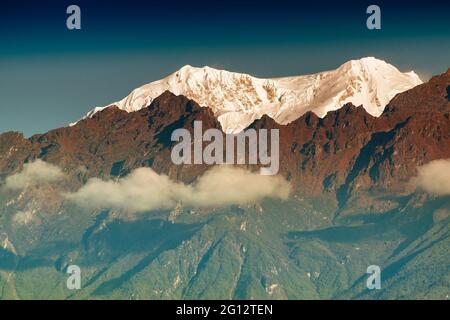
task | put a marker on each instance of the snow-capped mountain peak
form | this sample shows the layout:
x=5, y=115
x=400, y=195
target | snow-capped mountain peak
x=238, y=99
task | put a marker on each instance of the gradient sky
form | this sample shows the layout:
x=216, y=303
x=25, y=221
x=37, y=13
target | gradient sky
x=50, y=76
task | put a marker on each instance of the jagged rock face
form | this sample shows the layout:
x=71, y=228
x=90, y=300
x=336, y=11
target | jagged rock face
x=14, y=151
x=114, y=142
x=432, y=96
x=353, y=155
x=413, y=130
x=346, y=156
x=316, y=154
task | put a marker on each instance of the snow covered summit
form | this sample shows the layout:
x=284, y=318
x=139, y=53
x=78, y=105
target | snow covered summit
x=238, y=99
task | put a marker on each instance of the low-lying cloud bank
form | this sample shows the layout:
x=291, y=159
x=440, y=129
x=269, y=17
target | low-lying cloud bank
x=33, y=173
x=145, y=190
x=434, y=177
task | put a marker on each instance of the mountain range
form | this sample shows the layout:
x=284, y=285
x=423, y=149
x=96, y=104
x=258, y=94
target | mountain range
x=358, y=147
x=239, y=99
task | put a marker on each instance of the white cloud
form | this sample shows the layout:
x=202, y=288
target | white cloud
x=145, y=190
x=23, y=217
x=141, y=190
x=434, y=177
x=227, y=185
x=33, y=173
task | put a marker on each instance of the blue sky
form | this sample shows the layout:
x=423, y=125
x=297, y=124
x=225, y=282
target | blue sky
x=50, y=76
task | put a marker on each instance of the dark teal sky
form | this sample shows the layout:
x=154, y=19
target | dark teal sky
x=50, y=76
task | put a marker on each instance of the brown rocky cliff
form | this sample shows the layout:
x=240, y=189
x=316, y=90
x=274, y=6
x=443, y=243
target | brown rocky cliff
x=348, y=156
